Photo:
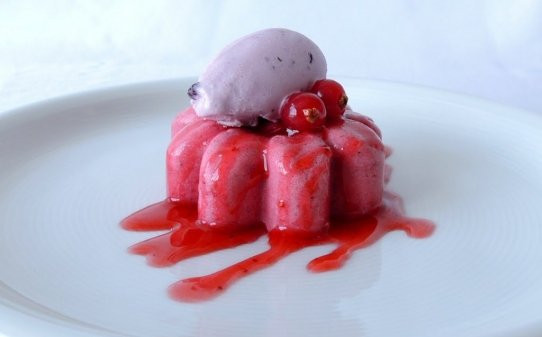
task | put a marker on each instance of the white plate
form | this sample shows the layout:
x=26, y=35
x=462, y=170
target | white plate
x=72, y=168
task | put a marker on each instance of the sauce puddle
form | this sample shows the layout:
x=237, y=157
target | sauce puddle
x=187, y=238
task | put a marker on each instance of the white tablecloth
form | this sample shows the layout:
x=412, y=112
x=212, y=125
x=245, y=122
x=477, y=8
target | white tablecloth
x=491, y=49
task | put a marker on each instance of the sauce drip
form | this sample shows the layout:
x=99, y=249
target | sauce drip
x=188, y=238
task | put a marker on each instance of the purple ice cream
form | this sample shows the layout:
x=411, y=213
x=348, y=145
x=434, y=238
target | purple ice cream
x=252, y=75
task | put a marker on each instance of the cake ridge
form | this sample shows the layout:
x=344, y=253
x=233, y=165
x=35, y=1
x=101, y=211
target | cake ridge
x=230, y=172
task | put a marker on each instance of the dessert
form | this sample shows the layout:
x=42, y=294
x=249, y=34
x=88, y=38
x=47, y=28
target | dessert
x=269, y=145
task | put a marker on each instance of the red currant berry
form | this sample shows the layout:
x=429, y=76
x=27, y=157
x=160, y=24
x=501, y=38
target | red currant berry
x=333, y=95
x=303, y=111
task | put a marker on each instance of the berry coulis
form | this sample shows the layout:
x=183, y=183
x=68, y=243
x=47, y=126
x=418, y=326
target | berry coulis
x=187, y=237
x=300, y=112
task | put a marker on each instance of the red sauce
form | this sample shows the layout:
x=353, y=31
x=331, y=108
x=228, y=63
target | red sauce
x=188, y=238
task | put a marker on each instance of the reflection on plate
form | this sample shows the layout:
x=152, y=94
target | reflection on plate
x=72, y=168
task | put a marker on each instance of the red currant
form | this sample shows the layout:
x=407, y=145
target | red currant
x=303, y=111
x=333, y=95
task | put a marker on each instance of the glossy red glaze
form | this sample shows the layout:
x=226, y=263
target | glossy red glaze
x=230, y=186
x=189, y=237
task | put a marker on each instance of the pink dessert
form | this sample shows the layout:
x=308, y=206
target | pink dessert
x=269, y=146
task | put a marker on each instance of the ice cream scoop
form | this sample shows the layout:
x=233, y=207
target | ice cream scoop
x=250, y=77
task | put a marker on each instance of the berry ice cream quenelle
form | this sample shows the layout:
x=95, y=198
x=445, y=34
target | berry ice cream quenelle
x=250, y=77
x=269, y=147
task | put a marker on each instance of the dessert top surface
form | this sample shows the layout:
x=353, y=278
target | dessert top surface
x=250, y=77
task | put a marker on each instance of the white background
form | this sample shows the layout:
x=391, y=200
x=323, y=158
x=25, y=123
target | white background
x=487, y=48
